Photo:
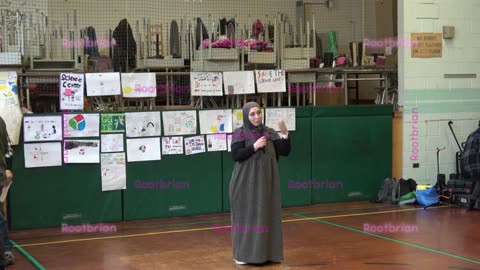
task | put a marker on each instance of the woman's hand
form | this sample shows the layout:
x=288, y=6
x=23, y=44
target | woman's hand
x=283, y=127
x=260, y=143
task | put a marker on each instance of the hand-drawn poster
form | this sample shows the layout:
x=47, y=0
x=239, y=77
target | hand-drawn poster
x=42, y=128
x=237, y=116
x=112, y=122
x=143, y=149
x=179, y=123
x=112, y=143
x=103, y=84
x=139, y=85
x=206, y=84
x=143, y=124
x=229, y=142
x=172, y=145
x=10, y=105
x=42, y=154
x=215, y=121
x=275, y=115
x=71, y=91
x=114, y=173
x=194, y=145
x=239, y=82
x=81, y=125
x=217, y=142
x=81, y=151
x=270, y=81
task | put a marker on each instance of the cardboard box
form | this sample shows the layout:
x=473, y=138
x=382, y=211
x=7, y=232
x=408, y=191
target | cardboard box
x=325, y=98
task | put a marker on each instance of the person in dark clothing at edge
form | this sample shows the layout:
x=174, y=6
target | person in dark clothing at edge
x=255, y=189
x=6, y=177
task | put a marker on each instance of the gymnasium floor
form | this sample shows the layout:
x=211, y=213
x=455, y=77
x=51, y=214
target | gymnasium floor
x=326, y=236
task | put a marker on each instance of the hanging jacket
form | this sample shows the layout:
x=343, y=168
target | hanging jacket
x=91, y=47
x=200, y=28
x=257, y=29
x=174, y=40
x=124, y=48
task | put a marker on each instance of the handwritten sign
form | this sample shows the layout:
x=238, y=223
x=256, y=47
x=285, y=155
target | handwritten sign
x=103, y=84
x=426, y=45
x=239, y=82
x=138, y=85
x=270, y=81
x=206, y=83
x=71, y=91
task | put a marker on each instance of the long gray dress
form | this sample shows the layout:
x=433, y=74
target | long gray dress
x=255, y=197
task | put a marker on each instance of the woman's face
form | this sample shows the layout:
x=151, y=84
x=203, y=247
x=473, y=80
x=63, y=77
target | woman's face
x=255, y=116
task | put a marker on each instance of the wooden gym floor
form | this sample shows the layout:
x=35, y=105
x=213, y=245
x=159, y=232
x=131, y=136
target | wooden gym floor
x=326, y=236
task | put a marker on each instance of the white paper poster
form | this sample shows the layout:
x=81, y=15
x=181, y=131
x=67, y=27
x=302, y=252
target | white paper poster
x=143, y=124
x=237, y=116
x=206, y=83
x=194, y=145
x=143, y=149
x=103, y=84
x=112, y=143
x=10, y=105
x=114, y=173
x=71, y=91
x=139, y=85
x=229, y=142
x=81, y=151
x=270, y=81
x=179, y=122
x=81, y=125
x=217, y=142
x=172, y=145
x=42, y=128
x=42, y=154
x=275, y=115
x=239, y=82
x=215, y=121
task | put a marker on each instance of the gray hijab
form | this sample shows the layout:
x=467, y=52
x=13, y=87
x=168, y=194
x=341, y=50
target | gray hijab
x=250, y=133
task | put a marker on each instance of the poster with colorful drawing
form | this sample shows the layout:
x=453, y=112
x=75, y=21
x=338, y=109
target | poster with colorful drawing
x=81, y=151
x=81, y=125
x=112, y=122
x=42, y=128
x=143, y=124
x=217, y=142
x=113, y=170
x=10, y=105
x=143, y=149
x=42, y=154
x=215, y=121
x=237, y=118
x=194, y=145
x=172, y=145
x=275, y=115
x=103, y=84
x=271, y=81
x=239, y=82
x=112, y=143
x=179, y=123
x=139, y=85
x=71, y=91
x=206, y=84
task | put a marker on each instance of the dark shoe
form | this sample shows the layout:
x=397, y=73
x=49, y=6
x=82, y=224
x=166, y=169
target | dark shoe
x=9, y=258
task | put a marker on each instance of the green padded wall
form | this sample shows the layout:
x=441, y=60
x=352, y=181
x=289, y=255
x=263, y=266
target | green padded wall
x=352, y=150
x=352, y=144
x=50, y=196
x=203, y=195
